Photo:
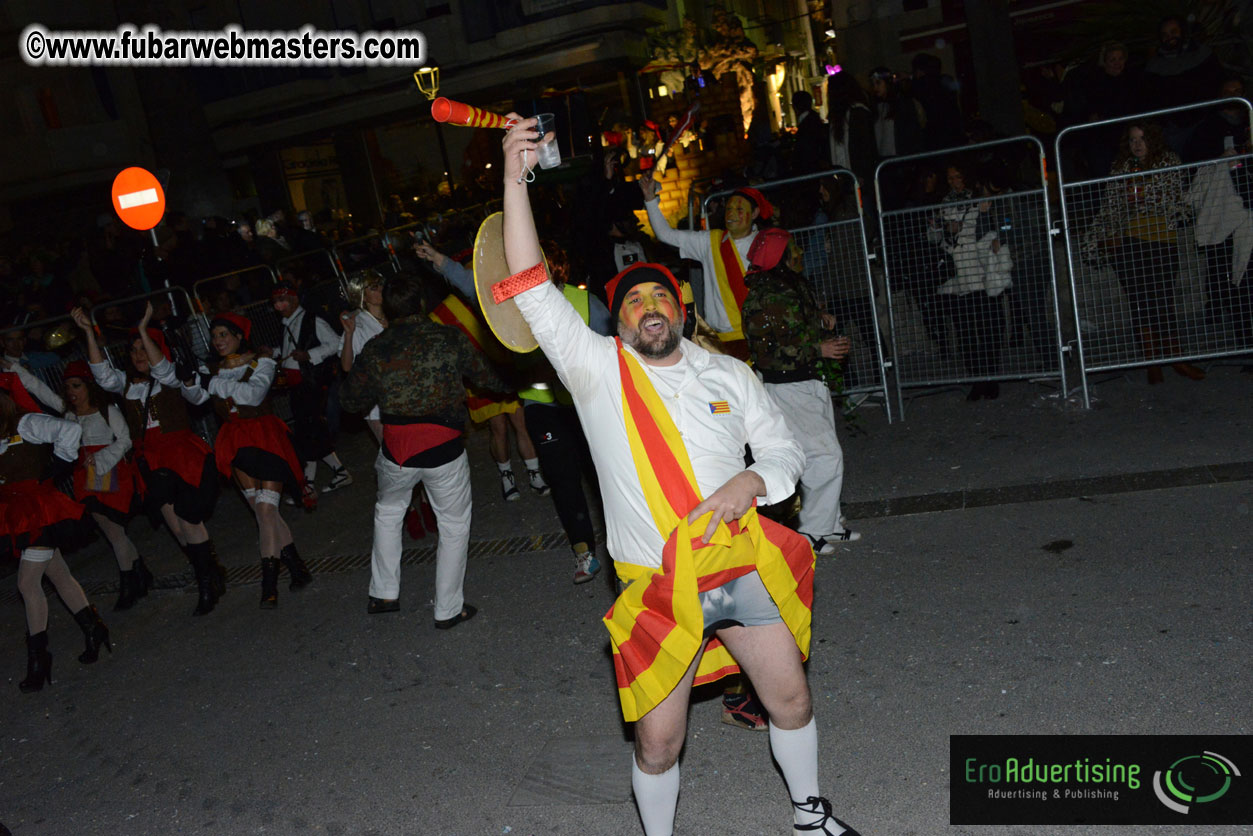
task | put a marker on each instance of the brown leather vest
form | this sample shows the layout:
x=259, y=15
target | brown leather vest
x=165, y=407
x=23, y=461
x=226, y=409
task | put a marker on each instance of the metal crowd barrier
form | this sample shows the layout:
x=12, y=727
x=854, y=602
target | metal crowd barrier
x=970, y=289
x=308, y=268
x=243, y=286
x=823, y=213
x=1158, y=258
x=368, y=251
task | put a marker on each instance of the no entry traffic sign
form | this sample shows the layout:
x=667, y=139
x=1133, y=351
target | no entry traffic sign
x=138, y=198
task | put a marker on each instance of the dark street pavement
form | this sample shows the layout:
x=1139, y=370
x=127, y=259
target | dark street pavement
x=1026, y=568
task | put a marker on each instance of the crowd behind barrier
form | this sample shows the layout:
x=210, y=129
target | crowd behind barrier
x=969, y=269
x=1158, y=251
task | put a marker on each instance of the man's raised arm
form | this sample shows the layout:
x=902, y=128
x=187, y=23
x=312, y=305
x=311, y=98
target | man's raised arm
x=573, y=349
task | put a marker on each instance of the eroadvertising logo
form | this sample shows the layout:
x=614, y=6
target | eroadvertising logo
x=1091, y=779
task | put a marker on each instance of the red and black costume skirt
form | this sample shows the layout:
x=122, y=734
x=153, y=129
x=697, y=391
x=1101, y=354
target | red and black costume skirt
x=35, y=514
x=123, y=495
x=178, y=469
x=260, y=447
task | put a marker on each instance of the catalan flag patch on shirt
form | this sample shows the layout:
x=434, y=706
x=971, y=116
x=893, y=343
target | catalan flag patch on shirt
x=719, y=407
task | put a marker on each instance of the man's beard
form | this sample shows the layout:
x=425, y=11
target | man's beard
x=654, y=347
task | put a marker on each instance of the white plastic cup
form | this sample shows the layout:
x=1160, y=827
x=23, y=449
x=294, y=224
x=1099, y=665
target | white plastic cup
x=548, y=153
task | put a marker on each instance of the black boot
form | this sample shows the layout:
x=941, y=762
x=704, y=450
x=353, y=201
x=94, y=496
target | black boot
x=300, y=574
x=145, y=577
x=127, y=586
x=202, y=563
x=94, y=631
x=38, y=663
x=219, y=571
x=269, y=583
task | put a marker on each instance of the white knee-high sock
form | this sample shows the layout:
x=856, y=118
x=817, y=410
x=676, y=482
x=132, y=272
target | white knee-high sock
x=796, y=751
x=656, y=797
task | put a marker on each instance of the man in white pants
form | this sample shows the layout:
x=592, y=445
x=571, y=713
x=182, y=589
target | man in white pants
x=784, y=326
x=414, y=371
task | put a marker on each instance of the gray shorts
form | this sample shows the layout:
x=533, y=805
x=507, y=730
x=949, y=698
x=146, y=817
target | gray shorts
x=743, y=602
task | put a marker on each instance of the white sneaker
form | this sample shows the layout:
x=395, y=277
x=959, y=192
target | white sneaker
x=537, y=483
x=340, y=478
x=585, y=567
x=508, y=488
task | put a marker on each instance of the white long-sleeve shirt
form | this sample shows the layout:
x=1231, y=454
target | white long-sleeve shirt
x=697, y=244
x=367, y=329
x=37, y=428
x=228, y=383
x=587, y=364
x=108, y=429
x=163, y=376
x=328, y=340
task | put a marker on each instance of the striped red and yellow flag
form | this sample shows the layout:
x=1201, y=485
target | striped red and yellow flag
x=656, y=626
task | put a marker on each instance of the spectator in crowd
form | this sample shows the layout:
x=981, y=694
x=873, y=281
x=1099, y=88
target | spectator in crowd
x=811, y=151
x=16, y=351
x=936, y=92
x=763, y=143
x=1136, y=231
x=898, y=116
x=1181, y=72
x=1222, y=128
x=1218, y=194
x=414, y=372
x=850, y=127
x=1106, y=90
x=981, y=273
x=305, y=236
x=270, y=246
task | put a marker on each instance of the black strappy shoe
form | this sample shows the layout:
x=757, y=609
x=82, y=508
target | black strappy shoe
x=816, y=805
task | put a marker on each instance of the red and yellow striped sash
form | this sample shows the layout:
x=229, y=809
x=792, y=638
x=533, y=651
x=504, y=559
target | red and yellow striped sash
x=656, y=626
x=729, y=272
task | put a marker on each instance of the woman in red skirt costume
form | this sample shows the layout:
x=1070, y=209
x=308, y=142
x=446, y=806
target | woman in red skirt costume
x=253, y=447
x=35, y=449
x=177, y=466
x=106, y=480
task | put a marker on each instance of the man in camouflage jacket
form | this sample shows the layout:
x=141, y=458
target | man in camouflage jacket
x=414, y=370
x=784, y=325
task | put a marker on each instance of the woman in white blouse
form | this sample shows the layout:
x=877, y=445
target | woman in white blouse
x=176, y=464
x=106, y=480
x=35, y=449
x=253, y=447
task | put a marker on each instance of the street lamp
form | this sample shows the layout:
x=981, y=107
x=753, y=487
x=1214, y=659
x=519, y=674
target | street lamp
x=427, y=80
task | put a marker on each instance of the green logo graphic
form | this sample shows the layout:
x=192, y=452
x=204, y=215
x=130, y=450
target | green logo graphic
x=1194, y=779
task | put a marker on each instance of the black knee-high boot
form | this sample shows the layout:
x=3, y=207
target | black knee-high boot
x=94, y=631
x=144, y=574
x=38, y=663
x=300, y=574
x=202, y=563
x=129, y=589
x=269, y=583
x=219, y=571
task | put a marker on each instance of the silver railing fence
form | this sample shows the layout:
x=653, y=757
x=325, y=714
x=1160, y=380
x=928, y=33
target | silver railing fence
x=308, y=268
x=970, y=288
x=374, y=251
x=823, y=212
x=1158, y=251
x=241, y=287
